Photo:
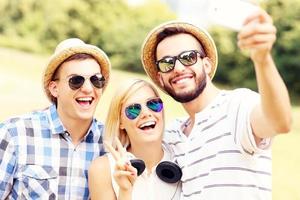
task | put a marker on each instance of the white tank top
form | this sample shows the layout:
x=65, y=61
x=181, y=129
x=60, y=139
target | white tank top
x=149, y=187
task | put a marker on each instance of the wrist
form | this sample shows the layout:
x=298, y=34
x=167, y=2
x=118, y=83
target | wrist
x=125, y=194
x=263, y=61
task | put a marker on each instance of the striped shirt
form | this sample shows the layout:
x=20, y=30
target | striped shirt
x=220, y=159
x=39, y=161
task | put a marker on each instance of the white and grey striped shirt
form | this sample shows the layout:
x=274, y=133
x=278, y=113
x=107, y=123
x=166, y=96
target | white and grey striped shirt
x=220, y=159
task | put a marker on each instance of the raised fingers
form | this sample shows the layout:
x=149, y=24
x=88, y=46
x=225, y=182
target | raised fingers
x=257, y=35
x=120, y=148
x=113, y=152
x=256, y=28
x=257, y=40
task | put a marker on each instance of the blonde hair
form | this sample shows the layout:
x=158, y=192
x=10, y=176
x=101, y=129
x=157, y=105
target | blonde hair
x=113, y=118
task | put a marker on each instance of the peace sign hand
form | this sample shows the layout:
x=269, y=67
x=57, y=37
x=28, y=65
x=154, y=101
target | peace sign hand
x=124, y=173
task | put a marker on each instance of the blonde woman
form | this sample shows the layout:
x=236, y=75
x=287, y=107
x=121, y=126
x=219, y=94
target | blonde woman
x=139, y=165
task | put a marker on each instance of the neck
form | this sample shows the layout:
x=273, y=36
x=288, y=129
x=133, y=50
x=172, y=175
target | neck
x=151, y=154
x=200, y=103
x=197, y=105
x=75, y=127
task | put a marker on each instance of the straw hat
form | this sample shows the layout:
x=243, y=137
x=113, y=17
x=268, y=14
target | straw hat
x=67, y=48
x=148, y=55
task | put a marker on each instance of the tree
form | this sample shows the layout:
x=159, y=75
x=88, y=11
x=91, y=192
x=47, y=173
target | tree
x=38, y=26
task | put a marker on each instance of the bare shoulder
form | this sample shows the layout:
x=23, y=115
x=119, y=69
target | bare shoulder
x=99, y=179
x=100, y=164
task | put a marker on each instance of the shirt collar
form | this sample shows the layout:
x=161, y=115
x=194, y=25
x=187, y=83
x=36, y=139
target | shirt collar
x=92, y=132
x=58, y=127
x=54, y=120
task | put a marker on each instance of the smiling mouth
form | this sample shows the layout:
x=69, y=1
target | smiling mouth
x=148, y=125
x=181, y=79
x=84, y=101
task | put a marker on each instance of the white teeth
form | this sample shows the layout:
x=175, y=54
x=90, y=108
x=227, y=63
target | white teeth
x=150, y=123
x=85, y=99
x=182, y=80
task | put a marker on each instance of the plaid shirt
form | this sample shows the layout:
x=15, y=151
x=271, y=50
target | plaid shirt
x=39, y=161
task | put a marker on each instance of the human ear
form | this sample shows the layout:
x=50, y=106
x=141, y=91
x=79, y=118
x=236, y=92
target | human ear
x=207, y=65
x=159, y=77
x=121, y=125
x=53, y=89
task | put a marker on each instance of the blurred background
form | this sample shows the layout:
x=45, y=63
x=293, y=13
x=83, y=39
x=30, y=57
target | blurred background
x=30, y=30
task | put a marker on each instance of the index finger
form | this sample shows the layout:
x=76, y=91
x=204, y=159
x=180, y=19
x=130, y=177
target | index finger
x=110, y=148
x=121, y=149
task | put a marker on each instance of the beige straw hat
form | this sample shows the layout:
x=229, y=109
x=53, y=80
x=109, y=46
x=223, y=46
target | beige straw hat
x=148, y=54
x=67, y=48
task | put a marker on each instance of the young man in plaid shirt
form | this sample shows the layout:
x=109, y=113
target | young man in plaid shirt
x=46, y=154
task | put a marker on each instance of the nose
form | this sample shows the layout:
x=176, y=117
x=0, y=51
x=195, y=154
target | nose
x=179, y=67
x=145, y=112
x=87, y=86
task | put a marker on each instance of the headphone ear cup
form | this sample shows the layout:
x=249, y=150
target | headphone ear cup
x=168, y=172
x=139, y=165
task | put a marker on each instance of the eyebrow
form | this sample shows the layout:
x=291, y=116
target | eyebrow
x=84, y=75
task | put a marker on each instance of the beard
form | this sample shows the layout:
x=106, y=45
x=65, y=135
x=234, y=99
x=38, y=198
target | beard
x=188, y=96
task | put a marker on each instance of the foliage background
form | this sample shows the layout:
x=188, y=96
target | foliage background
x=119, y=29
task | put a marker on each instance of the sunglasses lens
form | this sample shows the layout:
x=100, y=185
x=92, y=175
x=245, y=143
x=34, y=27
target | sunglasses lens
x=98, y=81
x=155, y=105
x=188, y=58
x=76, y=82
x=166, y=64
x=133, y=111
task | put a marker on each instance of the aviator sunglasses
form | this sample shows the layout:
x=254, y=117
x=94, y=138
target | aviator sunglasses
x=132, y=111
x=187, y=58
x=76, y=81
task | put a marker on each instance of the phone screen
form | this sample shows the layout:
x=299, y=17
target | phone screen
x=231, y=13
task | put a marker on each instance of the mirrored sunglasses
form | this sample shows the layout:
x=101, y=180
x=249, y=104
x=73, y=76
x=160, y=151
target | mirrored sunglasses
x=187, y=58
x=132, y=111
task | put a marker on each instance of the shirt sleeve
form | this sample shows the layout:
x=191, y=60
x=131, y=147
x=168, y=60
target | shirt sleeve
x=245, y=101
x=7, y=161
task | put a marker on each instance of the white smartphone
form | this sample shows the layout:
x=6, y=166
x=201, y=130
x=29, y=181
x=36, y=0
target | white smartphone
x=231, y=13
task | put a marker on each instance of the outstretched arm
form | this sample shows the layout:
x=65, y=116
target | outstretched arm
x=273, y=115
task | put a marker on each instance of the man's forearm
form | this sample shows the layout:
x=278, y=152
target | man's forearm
x=275, y=102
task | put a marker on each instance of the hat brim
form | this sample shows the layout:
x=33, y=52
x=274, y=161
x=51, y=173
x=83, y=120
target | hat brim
x=56, y=60
x=148, y=52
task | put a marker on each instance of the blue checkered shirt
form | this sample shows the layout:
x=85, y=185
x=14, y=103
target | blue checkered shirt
x=39, y=161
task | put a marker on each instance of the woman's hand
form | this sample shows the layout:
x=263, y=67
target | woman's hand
x=124, y=173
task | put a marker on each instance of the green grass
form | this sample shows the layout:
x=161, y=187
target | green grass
x=21, y=91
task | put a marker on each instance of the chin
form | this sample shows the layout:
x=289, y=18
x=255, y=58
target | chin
x=85, y=116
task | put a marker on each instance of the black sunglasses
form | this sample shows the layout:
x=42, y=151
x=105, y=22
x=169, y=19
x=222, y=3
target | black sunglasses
x=187, y=58
x=76, y=81
x=132, y=111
